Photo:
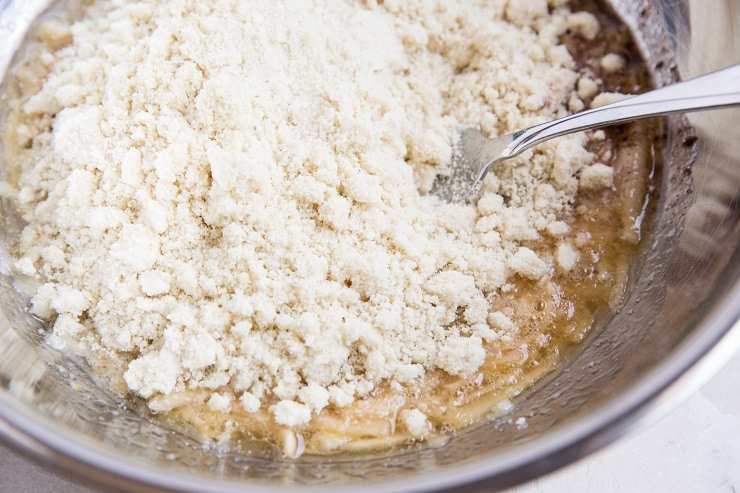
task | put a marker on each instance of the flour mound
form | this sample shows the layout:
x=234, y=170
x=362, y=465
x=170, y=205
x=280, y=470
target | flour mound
x=233, y=196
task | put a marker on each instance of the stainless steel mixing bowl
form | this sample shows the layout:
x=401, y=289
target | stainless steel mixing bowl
x=679, y=324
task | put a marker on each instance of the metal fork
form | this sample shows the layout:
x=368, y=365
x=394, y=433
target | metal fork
x=476, y=153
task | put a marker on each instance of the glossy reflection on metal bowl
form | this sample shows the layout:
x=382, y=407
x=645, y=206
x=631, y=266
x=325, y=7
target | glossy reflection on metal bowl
x=678, y=325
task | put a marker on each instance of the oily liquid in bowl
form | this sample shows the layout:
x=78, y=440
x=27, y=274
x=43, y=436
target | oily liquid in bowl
x=551, y=316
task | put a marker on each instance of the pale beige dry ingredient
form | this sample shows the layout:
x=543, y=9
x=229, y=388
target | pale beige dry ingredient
x=226, y=195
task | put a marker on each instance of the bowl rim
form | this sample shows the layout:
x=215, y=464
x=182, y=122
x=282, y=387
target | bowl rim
x=713, y=342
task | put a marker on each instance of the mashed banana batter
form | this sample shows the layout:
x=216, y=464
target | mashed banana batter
x=226, y=209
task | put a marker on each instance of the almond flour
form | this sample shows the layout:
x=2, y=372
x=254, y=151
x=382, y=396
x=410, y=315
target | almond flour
x=229, y=197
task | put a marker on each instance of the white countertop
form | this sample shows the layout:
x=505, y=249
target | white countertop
x=695, y=448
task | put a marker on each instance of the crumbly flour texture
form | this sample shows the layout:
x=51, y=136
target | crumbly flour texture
x=231, y=195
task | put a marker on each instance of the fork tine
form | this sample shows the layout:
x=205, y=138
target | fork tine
x=471, y=159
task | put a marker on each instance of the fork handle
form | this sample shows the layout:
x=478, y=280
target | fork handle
x=718, y=89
